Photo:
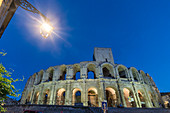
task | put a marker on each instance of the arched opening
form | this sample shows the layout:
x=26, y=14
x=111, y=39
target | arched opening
x=108, y=71
x=76, y=96
x=142, y=99
x=35, y=100
x=111, y=97
x=144, y=77
x=76, y=71
x=92, y=97
x=129, y=98
x=51, y=72
x=91, y=75
x=77, y=75
x=46, y=97
x=63, y=73
x=60, y=97
x=91, y=71
x=122, y=72
x=135, y=74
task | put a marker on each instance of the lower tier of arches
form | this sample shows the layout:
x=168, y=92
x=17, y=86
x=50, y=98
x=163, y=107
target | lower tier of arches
x=92, y=93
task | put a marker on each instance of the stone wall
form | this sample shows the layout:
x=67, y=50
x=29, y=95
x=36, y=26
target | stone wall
x=113, y=82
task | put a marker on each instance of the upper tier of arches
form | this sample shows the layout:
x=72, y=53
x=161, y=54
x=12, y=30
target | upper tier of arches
x=90, y=70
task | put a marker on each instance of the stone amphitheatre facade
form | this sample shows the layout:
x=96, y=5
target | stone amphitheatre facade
x=92, y=82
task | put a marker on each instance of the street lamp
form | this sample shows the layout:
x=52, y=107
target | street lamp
x=45, y=29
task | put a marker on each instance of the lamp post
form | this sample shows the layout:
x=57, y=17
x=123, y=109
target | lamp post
x=8, y=8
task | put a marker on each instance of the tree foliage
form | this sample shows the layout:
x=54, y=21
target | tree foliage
x=6, y=87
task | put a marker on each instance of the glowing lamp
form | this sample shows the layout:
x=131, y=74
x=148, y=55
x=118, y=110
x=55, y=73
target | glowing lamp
x=45, y=30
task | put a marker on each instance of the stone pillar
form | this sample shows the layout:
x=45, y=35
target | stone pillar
x=52, y=94
x=83, y=72
x=147, y=98
x=128, y=75
x=68, y=94
x=40, y=97
x=136, y=97
x=69, y=73
x=100, y=72
x=84, y=94
x=139, y=101
x=56, y=74
x=36, y=78
x=32, y=97
x=121, y=93
x=101, y=92
x=45, y=76
x=123, y=98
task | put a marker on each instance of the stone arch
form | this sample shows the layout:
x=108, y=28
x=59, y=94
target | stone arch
x=111, y=97
x=142, y=98
x=60, y=97
x=36, y=95
x=33, y=78
x=46, y=96
x=129, y=97
x=76, y=96
x=122, y=71
x=143, y=76
x=63, y=72
x=135, y=74
x=150, y=80
x=92, y=97
x=76, y=71
x=40, y=76
x=91, y=70
x=50, y=72
x=108, y=70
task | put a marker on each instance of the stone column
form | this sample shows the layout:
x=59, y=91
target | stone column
x=52, y=94
x=136, y=97
x=32, y=97
x=147, y=98
x=84, y=94
x=101, y=92
x=56, y=74
x=45, y=76
x=121, y=93
x=68, y=94
x=40, y=97
x=36, y=78
x=100, y=72
x=83, y=72
x=69, y=72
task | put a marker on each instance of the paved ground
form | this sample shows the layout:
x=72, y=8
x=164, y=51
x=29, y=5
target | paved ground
x=73, y=109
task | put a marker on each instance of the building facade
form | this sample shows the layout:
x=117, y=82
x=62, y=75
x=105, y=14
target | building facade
x=91, y=83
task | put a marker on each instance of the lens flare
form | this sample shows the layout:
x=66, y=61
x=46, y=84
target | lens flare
x=45, y=30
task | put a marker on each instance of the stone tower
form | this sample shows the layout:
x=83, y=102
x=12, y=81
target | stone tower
x=103, y=54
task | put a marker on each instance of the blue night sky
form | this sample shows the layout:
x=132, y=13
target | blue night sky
x=138, y=32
